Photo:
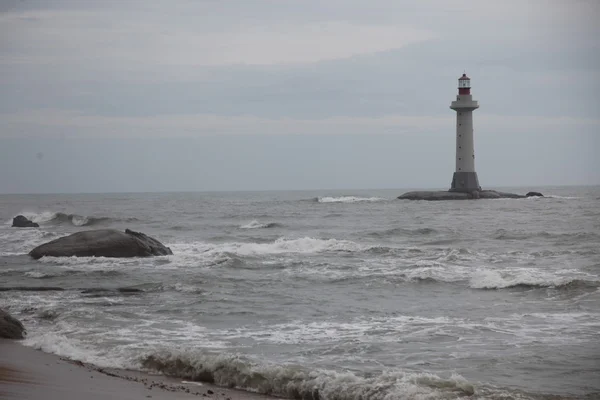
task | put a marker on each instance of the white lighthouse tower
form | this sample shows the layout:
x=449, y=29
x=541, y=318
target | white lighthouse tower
x=465, y=177
x=465, y=184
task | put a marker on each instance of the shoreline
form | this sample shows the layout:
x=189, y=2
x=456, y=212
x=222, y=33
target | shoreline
x=28, y=373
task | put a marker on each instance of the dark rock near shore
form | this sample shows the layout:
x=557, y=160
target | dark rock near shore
x=447, y=195
x=534, y=194
x=10, y=327
x=21, y=221
x=102, y=243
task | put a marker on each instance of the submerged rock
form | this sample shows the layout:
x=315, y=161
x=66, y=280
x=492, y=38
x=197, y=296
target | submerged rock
x=20, y=221
x=447, y=195
x=10, y=327
x=534, y=194
x=102, y=243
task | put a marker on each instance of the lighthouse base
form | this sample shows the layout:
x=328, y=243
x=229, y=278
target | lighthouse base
x=466, y=182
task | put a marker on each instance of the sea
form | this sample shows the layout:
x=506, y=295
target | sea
x=323, y=295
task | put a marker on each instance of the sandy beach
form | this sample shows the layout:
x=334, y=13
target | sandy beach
x=26, y=373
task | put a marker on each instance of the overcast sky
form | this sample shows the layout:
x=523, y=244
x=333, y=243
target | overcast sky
x=109, y=96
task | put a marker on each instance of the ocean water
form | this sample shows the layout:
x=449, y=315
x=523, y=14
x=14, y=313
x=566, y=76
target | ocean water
x=341, y=295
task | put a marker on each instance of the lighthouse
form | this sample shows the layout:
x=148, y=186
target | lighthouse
x=465, y=177
x=465, y=185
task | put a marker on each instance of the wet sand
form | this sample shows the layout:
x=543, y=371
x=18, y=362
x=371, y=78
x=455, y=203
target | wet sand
x=26, y=373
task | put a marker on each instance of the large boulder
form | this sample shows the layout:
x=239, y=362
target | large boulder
x=102, y=243
x=20, y=221
x=10, y=327
x=534, y=194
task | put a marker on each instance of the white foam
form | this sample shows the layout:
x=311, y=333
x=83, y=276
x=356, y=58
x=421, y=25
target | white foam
x=302, y=332
x=47, y=216
x=440, y=273
x=36, y=274
x=22, y=240
x=304, y=245
x=92, y=342
x=101, y=263
x=78, y=220
x=59, y=344
x=256, y=225
x=549, y=328
x=348, y=199
x=185, y=288
x=39, y=217
x=294, y=382
x=500, y=279
x=561, y=197
x=253, y=225
x=192, y=383
x=230, y=369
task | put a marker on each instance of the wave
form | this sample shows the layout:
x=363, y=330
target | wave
x=402, y=232
x=257, y=225
x=283, y=380
x=32, y=289
x=38, y=274
x=347, y=199
x=104, y=291
x=551, y=196
x=17, y=242
x=182, y=228
x=546, y=197
x=49, y=217
x=88, y=291
x=295, y=382
x=529, y=280
x=305, y=245
x=503, y=234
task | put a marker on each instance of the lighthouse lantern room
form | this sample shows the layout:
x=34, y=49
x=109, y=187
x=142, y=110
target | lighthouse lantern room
x=464, y=85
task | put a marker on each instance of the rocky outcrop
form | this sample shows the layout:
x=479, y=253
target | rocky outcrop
x=435, y=195
x=493, y=194
x=10, y=327
x=21, y=221
x=534, y=194
x=102, y=243
x=447, y=195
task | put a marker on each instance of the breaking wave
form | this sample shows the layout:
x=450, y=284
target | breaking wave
x=257, y=225
x=49, y=217
x=495, y=280
x=551, y=196
x=347, y=199
x=38, y=274
x=296, y=382
x=21, y=241
x=279, y=246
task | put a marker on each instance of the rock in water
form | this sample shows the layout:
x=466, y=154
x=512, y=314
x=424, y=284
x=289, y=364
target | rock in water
x=10, y=327
x=21, y=221
x=447, y=195
x=102, y=243
x=534, y=194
